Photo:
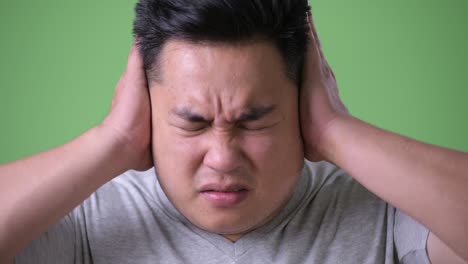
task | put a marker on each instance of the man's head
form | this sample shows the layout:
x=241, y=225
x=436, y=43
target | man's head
x=223, y=79
x=280, y=22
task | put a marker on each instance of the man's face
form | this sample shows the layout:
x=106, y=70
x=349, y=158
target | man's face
x=226, y=137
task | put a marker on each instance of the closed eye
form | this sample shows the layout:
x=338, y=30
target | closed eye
x=250, y=126
x=193, y=127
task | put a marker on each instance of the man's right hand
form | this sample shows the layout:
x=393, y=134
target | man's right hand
x=37, y=191
x=129, y=120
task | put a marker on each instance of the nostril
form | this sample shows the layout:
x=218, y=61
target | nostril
x=222, y=160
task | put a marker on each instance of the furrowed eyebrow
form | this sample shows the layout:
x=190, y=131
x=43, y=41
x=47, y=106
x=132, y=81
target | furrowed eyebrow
x=251, y=114
x=188, y=115
x=255, y=113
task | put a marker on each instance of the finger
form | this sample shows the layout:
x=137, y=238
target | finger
x=314, y=59
x=314, y=36
x=135, y=69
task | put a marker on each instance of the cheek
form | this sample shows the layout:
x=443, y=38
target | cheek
x=171, y=148
x=259, y=148
x=277, y=159
x=176, y=159
x=283, y=141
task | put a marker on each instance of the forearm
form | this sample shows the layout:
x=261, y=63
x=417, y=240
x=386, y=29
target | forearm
x=427, y=182
x=37, y=191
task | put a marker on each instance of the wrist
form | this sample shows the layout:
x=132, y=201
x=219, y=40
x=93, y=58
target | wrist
x=328, y=141
x=112, y=150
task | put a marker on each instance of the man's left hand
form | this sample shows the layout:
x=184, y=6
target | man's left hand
x=320, y=104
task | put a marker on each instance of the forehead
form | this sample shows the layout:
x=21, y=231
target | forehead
x=251, y=60
x=220, y=76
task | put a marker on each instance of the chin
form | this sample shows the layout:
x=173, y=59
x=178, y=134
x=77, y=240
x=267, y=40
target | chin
x=226, y=223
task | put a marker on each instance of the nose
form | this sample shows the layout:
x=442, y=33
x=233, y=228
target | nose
x=223, y=155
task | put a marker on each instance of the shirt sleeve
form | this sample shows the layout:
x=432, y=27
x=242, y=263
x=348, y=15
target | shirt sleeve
x=410, y=239
x=57, y=245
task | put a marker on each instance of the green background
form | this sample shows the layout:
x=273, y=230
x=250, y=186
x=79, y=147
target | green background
x=401, y=65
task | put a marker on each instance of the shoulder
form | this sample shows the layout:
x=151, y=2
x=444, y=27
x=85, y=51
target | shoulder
x=331, y=182
x=346, y=204
x=337, y=213
x=118, y=201
x=334, y=194
x=130, y=185
x=340, y=203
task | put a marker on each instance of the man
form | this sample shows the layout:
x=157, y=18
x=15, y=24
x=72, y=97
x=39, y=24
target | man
x=233, y=99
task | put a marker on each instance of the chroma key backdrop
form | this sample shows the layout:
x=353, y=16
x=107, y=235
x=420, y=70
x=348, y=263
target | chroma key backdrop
x=401, y=65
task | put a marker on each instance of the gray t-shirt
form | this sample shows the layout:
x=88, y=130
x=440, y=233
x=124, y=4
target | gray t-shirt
x=329, y=219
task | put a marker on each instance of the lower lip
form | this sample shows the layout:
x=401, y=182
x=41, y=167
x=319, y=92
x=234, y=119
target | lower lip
x=224, y=199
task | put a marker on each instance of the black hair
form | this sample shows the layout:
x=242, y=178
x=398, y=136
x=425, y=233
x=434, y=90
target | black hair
x=282, y=22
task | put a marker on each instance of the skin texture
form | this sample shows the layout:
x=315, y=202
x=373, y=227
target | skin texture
x=427, y=182
x=222, y=85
